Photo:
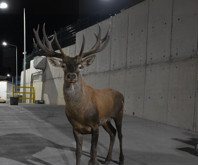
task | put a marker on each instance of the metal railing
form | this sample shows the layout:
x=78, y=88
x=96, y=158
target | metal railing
x=31, y=93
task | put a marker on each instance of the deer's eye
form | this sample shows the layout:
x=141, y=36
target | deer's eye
x=63, y=66
x=80, y=67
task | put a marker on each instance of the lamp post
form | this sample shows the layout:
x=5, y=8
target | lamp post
x=8, y=44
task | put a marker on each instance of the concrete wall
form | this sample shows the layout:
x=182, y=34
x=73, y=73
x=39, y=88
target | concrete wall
x=151, y=58
x=36, y=82
x=6, y=89
x=9, y=90
x=3, y=89
x=53, y=80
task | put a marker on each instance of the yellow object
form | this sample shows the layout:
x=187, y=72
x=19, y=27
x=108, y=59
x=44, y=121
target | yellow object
x=31, y=93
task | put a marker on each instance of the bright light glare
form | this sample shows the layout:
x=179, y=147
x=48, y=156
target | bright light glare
x=8, y=75
x=4, y=43
x=3, y=5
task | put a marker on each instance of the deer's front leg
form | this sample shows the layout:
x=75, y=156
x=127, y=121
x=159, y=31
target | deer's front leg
x=79, y=140
x=94, y=142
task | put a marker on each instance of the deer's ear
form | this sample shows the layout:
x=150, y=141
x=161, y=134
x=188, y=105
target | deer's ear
x=55, y=62
x=88, y=61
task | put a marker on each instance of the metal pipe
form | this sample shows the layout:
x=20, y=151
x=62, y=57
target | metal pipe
x=16, y=83
x=24, y=62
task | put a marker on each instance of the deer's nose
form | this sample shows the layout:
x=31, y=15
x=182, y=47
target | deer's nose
x=71, y=77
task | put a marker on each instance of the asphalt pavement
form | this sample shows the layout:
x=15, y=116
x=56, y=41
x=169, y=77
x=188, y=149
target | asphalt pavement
x=37, y=134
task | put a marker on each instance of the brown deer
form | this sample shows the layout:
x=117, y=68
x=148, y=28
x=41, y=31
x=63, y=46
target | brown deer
x=86, y=108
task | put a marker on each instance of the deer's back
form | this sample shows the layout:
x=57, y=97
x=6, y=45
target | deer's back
x=109, y=103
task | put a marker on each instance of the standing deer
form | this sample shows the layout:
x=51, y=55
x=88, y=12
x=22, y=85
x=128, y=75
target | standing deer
x=86, y=108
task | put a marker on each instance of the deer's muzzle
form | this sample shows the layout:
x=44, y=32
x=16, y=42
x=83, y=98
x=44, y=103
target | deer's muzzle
x=71, y=77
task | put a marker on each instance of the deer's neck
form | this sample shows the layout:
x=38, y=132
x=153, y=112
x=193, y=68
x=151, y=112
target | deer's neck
x=75, y=92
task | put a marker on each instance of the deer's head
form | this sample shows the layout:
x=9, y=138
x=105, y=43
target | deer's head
x=71, y=65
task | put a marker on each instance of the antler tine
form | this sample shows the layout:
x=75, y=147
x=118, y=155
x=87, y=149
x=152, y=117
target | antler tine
x=47, y=41
x=97, y=45
x=82, y=47
x=104, y=44
x=58, y=45
x=107, y=36
x=39, y=42
x=35, y=45
x=47, y=50
x=100, y=43
x=105, y=40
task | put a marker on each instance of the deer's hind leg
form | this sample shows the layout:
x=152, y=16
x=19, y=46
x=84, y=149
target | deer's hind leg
x=118, y=123
x=112, y=133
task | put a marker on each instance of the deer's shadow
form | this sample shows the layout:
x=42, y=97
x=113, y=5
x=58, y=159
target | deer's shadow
x=22, y=147
x=193, y=145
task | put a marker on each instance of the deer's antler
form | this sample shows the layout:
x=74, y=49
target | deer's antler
x=46, y=45
x=98, y=46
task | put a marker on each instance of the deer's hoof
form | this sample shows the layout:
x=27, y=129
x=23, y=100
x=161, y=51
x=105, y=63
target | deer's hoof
x=121, y=163
x=121, y=160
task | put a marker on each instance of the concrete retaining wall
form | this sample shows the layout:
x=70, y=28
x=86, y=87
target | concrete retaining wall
x=151, y=58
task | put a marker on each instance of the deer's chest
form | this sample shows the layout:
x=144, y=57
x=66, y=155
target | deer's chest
x=81, y=118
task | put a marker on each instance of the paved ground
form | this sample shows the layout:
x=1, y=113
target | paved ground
x=41, y=135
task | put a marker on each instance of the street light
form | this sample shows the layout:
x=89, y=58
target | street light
x=4, y=43
x=3, y=5
x=8, y=44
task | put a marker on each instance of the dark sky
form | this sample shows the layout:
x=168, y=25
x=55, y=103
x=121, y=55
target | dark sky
x=56, y=14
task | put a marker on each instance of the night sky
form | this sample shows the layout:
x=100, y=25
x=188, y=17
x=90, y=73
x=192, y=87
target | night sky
x=56, y=14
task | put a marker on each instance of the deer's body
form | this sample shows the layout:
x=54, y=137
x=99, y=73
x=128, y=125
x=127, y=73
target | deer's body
x=86, y=108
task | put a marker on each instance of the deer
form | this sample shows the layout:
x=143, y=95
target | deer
x=86, y=108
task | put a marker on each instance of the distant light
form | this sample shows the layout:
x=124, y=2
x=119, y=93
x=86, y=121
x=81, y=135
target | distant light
x=3, y=5
x=8, y=75
x=4, y=43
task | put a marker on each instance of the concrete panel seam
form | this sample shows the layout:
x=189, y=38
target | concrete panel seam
x=146, y=59
x=110, y=49
x=171, y=36
x=147, y=32
x=195, y=101
x=197, y=36
x=126, y=54
x=167, y=109
x=127, y=39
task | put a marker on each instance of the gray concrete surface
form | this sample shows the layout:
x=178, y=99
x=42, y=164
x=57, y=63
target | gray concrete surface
x=41, y=135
